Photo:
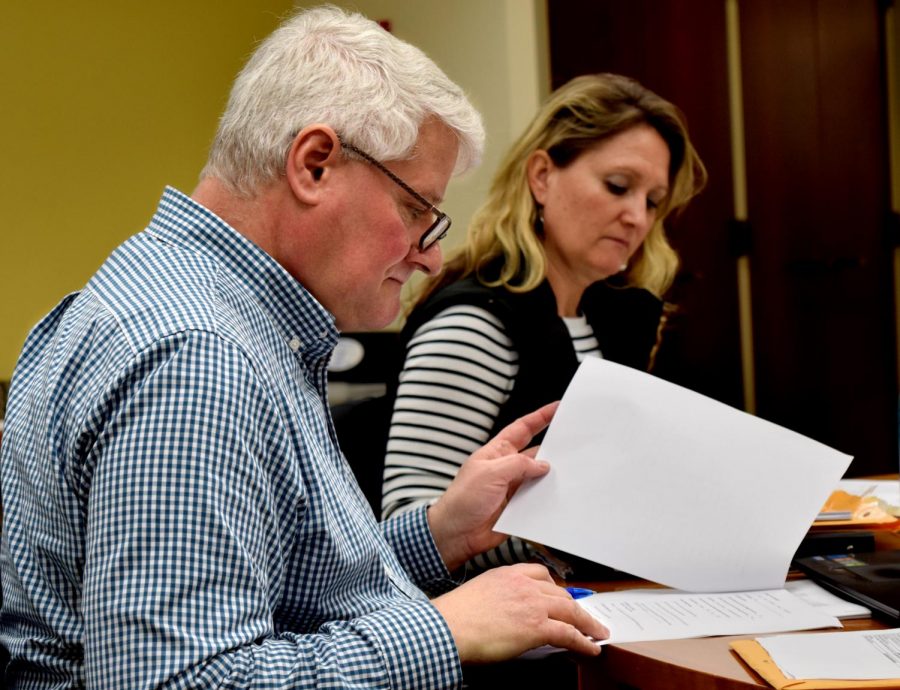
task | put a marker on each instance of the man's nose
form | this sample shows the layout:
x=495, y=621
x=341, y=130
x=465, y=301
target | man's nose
x=429, y=261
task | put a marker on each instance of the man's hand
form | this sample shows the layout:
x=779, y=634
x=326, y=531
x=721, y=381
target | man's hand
x=462, y=520
x=506, y=611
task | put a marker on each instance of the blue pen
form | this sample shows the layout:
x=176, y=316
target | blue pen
x=579, y=592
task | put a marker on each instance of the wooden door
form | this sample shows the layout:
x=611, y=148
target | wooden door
x=818, y=189
x=818, y=192
x=677, y=49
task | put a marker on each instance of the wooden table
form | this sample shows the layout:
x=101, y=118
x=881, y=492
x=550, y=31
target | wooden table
x=694, y=664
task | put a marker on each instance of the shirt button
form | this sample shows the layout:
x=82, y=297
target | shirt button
x=294, y=344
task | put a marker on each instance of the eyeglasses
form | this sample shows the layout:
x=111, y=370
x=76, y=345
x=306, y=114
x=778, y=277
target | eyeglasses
x=441, y=223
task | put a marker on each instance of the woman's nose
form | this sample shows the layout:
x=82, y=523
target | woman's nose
x=637, y=213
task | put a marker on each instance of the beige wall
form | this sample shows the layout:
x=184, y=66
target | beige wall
x=104, y=103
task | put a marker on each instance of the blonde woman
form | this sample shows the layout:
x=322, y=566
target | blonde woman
x=566, y=259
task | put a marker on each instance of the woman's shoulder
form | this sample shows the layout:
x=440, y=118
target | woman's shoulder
x=466, y=291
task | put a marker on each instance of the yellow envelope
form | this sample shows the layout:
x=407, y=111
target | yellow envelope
x=866, y=511
x=757, y=658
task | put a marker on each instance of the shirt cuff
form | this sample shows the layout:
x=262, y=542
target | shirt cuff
x=411, y=538
x=417, y=646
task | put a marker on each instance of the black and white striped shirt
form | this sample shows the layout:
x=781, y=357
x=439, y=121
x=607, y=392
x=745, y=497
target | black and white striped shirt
x=459, y=371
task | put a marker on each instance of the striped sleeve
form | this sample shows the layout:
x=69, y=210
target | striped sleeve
x=460, y=368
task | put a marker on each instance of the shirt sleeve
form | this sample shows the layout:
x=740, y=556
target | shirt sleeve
x=459, y=370
x=191, y=509
x=410, y=536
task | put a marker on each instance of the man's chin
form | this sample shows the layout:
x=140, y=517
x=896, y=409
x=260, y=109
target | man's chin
x=373, y=320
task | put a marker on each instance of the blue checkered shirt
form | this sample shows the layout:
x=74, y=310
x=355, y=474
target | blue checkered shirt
x=177, y=512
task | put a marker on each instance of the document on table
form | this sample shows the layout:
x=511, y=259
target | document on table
x=659, y=614
x=825, y=601
x=666, y=484
x=858, y=655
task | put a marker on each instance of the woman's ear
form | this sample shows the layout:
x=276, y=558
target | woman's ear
x=311, y=160
x=538, y=169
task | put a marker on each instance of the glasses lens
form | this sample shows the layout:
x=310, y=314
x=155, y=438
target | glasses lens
x=436, y=232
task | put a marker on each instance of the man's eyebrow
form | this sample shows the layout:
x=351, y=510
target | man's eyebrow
x=429, y=195
x=435, y=199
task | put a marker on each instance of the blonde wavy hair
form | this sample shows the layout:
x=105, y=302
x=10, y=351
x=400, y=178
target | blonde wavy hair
x=577, y=116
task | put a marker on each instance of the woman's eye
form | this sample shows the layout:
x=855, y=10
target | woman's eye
x=617, y=189
x=652, y=205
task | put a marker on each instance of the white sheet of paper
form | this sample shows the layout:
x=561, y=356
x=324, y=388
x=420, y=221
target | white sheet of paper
x=825, y=601
x=639, y=615
x=857, y=655
x=666, y=484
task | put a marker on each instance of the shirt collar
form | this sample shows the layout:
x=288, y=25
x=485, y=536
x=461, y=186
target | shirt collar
x=305, y=324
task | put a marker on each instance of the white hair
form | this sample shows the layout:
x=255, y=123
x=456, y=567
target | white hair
x=324, y=65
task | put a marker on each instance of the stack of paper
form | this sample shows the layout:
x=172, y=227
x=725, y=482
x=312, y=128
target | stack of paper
x=825, y=601
x=664, y=614
x=861, y=659
x=636, y=615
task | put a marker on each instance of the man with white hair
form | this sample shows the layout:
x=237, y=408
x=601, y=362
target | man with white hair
x=177, y=510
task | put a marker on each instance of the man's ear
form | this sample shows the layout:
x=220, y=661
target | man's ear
x=538, y=169
x=313, y=155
